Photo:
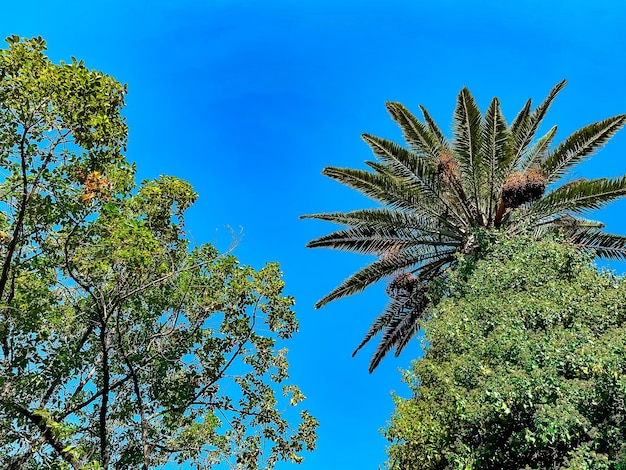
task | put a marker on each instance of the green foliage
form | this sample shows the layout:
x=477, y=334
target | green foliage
x=439, y=196
x=121, y=345
x=524, y=367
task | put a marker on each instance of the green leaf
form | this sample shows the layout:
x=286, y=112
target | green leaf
x=467, y=142
x=415, y=133
x=580, y=195
x=580, y=145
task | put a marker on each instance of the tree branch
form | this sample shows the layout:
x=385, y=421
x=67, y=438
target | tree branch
x=49, y=436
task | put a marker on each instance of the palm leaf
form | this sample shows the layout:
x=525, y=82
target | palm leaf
x=542, y=109
x=467, y=131
x=517, y=133
x=379, y=187
x=386, y=217
x=537, y=153
x=434, y=129
x=382, y=268
x=494, y=152
x=418, y=174
x=394, y=309
x=366, y=239
x=605, y=245
x=401, y=320
x=400, y=325
x=423, y=181
x=579, y=196
x=415, y=133
x=408, y=333
x=567, y=224
x=407, y=165
x=572, y=222
x=580, y=145
x=529, y=123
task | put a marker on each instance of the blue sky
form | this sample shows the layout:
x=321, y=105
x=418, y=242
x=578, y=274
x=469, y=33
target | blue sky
x=250, y=100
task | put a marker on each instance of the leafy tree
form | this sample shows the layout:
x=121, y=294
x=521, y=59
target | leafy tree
x=525, y=367
x=439, y=195
x=121, y=345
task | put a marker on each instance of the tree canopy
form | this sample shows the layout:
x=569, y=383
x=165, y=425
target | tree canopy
x=438, y=195
x=122, y=345
x=524, y=366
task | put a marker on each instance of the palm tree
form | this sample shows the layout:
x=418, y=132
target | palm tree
x=437, y=195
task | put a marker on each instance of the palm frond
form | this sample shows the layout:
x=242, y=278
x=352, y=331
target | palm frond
x=379, y=187
x=390, y=152
x=467, y=132
x=413, y=172
x=542, y=109
x=517, y=133
x=417, y=174
x=537, y=153
x=579, y=146
x=529, y=124
x=384, y=267
x=424, y=181
x=572, y=222
x=579, y=196
x=384, y=217
x=605, y=245
x=401, y=320
x=569, y=222
x=434, y=129
x=495, y=154
x=415, y=133
x=379, y=323
x=407, y=334
x=395, y=308
x=367, y=239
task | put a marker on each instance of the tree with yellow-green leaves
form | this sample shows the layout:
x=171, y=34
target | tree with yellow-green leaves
x=121, y=344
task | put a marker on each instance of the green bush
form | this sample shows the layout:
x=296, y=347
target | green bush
x=524, y=367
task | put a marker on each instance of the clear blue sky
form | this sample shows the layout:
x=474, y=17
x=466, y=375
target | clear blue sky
x=249, y=100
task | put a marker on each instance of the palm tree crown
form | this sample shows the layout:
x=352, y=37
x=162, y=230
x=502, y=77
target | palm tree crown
x=437, y=194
